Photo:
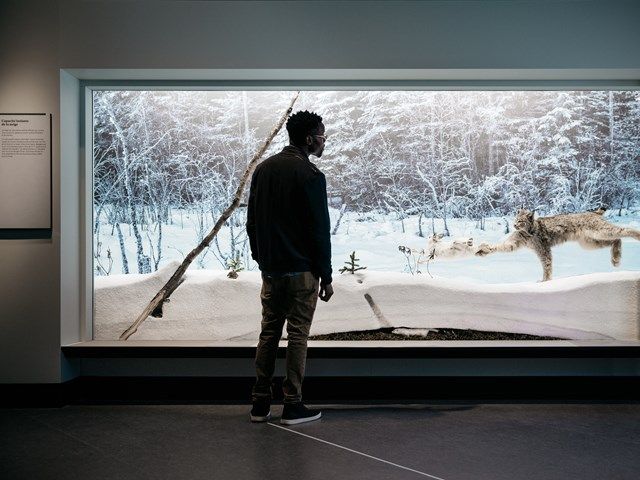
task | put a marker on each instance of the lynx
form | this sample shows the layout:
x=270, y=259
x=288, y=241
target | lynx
x=589, y=229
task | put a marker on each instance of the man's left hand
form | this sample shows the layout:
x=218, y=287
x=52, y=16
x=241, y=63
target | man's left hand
x=326, y=291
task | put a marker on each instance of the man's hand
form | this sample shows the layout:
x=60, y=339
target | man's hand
x=326, y=291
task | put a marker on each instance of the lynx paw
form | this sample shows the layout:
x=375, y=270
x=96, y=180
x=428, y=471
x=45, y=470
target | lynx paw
x=484, y=249
x=615, y=262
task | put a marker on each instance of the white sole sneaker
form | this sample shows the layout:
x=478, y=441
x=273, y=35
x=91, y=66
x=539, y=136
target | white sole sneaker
x=296, y=421
x=256, y=419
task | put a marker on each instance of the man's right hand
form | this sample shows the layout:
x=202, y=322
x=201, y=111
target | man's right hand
x=326, y=291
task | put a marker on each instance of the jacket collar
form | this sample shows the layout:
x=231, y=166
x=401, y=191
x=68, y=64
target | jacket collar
x=297, y=151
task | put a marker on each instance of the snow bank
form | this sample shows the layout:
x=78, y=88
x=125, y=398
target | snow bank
x=210, y=306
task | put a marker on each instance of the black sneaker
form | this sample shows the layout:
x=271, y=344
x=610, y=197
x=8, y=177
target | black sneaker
x=294, y=413
x=261, y=410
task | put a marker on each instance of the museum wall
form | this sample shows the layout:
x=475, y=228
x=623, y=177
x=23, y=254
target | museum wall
x=38, y=38
x=350, y=34
x=30, y=269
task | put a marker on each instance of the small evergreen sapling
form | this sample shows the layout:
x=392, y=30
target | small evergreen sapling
x=351, y=265
x=235, y=264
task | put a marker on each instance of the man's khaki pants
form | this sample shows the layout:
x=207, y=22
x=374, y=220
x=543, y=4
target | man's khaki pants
x=293, y=298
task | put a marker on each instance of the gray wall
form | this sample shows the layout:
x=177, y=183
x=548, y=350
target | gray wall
x=351, y=34
x=30, y=269
x=39, y=37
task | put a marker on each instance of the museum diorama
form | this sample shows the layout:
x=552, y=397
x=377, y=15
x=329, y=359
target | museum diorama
x=455, y=215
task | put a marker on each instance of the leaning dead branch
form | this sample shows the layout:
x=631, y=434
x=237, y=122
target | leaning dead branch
x=154, y=307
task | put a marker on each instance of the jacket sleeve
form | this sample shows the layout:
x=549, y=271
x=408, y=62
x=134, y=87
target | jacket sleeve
x=315, y=191
x=251, y=219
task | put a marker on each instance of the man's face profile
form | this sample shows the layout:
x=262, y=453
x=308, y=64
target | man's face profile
x=315, y=141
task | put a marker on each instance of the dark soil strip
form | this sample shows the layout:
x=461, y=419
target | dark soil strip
x=440, y=334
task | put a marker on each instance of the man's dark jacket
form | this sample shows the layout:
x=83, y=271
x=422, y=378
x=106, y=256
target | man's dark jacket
x=288, y=217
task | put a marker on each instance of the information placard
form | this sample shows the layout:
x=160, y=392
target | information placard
x=25, y=171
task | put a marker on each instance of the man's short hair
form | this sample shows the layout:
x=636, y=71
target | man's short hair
x=301, y=124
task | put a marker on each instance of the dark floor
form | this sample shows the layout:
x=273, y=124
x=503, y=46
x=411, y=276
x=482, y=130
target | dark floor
x=447, y=440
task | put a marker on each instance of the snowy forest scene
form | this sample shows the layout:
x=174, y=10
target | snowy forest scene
x=419, y=185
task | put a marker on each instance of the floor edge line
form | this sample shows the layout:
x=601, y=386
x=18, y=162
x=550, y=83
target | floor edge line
x=357, y=452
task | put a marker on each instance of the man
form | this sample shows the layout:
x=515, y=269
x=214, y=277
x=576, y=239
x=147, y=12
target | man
x=288, y=228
